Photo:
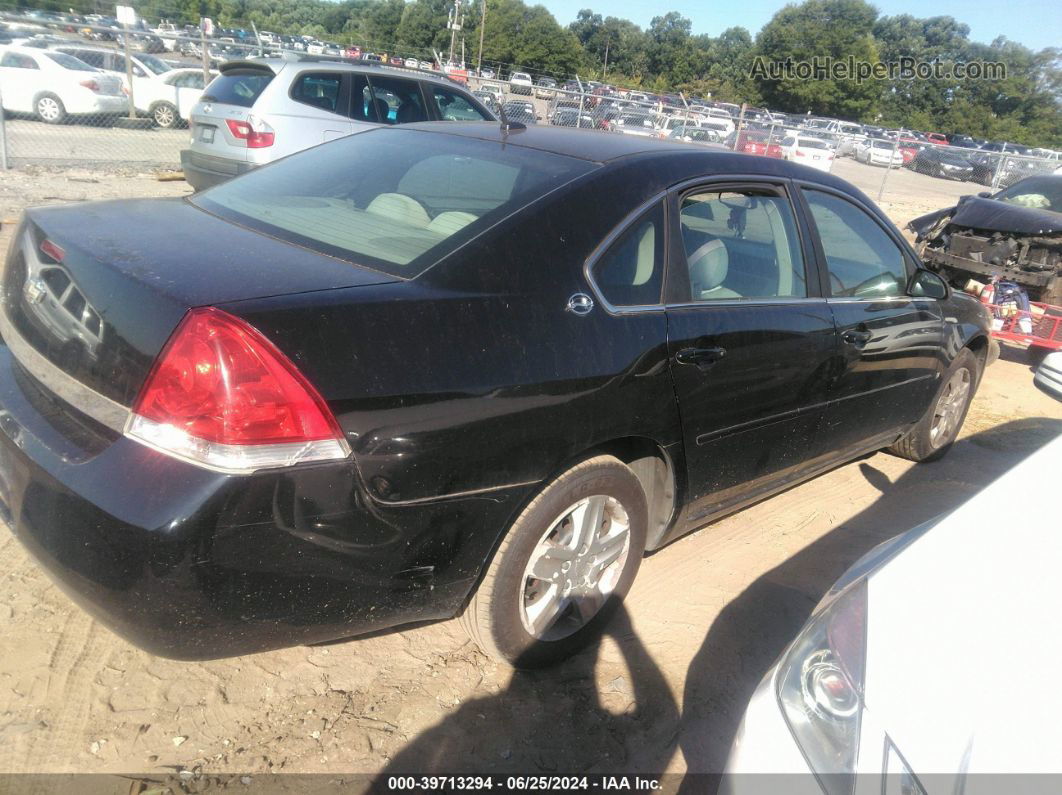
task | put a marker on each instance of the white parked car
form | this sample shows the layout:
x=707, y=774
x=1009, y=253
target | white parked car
x=812, y=152
x=411, y=63
x=169, y=100
x=53, y=86
x=879, y=152
x=1049, y=374
x=146, y=68
x=520, y=83
x=935, y=655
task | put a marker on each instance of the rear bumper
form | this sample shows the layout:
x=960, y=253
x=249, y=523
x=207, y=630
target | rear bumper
x=192, y=564
x=204, y=171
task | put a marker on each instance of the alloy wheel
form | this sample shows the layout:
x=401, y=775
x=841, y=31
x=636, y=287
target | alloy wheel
x=164, y=116
x=949, y=408
x=575, y=567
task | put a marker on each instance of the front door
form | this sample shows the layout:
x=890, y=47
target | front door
x=889, y=343
x=750, y=342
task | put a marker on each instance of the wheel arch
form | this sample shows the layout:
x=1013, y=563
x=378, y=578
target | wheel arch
x=651, y=463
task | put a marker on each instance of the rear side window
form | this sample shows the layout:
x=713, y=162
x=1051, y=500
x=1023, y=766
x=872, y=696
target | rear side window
x=238, y=87
x=319, y=90
x=741, y=244
x=14, y=60
x=631, y=272
x=862, y=259
x=389, y=100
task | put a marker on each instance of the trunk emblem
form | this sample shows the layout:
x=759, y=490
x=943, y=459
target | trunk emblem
x=35, y=291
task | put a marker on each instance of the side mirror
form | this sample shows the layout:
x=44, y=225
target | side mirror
x=984, y=194
x=926, y=284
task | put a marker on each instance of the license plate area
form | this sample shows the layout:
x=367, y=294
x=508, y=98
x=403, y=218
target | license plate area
x=206, y=133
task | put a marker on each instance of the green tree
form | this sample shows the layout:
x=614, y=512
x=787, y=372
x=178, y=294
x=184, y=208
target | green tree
x=835, y=29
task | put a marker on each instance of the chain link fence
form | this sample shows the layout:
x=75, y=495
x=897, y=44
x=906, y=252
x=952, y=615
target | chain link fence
x=77, y=93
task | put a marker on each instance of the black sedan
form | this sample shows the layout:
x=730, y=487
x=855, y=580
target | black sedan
x=442, y=370
x=943, y=162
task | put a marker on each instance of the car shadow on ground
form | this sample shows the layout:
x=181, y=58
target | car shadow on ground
x=564, y=721
x=556, y=721
x=752, y=631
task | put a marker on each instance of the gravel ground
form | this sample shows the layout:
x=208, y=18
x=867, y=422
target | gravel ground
x=664, y=691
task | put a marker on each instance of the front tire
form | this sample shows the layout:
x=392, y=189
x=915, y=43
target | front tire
x=563, y=568
x=50, y=109
x=936, y=432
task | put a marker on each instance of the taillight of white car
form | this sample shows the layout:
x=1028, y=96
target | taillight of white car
x=223, y=396
x=254, y=133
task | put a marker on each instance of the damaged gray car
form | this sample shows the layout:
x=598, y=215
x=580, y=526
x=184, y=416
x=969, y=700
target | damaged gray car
x=1015, y=234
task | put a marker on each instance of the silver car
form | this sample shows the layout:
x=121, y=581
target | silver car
x=257, y=111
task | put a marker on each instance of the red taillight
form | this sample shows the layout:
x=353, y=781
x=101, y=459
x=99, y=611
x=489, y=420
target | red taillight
x=257, y=135
x=91, y=85
x=801, y=153
x=222, y=394
x=52, y=251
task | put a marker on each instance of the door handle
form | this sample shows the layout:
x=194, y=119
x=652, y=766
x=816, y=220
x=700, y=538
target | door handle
x=857, y=337
x=700, y=357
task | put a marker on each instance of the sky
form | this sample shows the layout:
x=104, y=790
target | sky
x=1035, y=23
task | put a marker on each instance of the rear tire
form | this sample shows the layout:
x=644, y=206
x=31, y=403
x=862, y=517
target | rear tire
x=563, y=568
x=165, y=115
x=49, y=109
x=936, y=432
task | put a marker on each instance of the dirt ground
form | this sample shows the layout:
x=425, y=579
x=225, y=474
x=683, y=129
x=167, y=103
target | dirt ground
x=664, y=691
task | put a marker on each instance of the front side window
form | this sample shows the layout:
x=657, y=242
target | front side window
x=862, y=259
x=454, y=107
x=631, y=271
x=741, y=244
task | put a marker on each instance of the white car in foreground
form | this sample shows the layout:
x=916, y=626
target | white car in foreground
x=52, y=86
x=933, y=659
x=169, y=99
x=812, y=152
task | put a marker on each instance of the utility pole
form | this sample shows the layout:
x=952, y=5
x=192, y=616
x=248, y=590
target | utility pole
x=608, y=40
x=455, y=25
x=482, y=29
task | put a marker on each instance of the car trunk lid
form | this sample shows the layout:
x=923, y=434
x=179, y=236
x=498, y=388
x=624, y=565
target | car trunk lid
x=86, y=302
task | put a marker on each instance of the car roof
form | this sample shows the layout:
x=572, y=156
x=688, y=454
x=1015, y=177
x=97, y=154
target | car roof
x=316, y=63
x=602, y=147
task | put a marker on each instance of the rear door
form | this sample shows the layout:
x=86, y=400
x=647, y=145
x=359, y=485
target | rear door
x=319, y=113
x=750, y=340
x=889, y=344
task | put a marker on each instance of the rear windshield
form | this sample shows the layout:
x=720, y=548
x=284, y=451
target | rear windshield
x=238, y=87
x=813, y=143
x=156, y=65
x=390, y=199
x=70, y=62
